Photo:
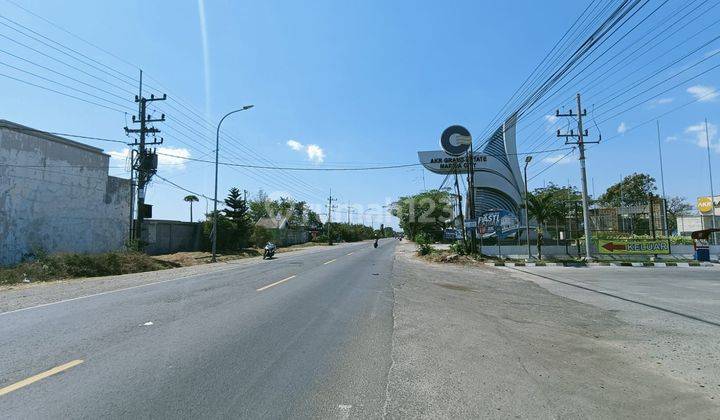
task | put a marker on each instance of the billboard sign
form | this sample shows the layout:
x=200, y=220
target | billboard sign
x=707, y=204
x=439, y=162
x=498, y=222
x=634, y=246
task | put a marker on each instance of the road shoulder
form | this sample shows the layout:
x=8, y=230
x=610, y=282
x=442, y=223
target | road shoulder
x=477, y=342
x=18, y=296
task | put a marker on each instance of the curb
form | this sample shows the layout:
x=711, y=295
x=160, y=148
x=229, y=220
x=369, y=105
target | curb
x=608, y=264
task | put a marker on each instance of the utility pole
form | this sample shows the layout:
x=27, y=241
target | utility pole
x=662, y=183
x=145, y=162
x=132, y=197
x=349, y=212
x=330, y=209
x=712, y=193
x=462, y=218
x=527, y=209
x=580, y=142
x=471, y=197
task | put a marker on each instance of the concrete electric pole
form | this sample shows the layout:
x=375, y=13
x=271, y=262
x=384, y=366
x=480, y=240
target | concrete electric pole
x=712, y=192
x=329, y=223
x=580, y=142
x=145, y=162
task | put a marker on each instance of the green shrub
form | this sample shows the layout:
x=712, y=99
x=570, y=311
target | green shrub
x=260, y=236
x=423, y=239
x=425, y=249
x=62, y=266
x=458, y=248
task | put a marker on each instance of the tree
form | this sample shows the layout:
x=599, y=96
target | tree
x=561, y=196
x=541, y=207
x=260, y=236
x=676, y=207
x=632, y=190
x=226, y=238
x=313, y=220
x=428, y=212
x=259, y=206
x=191, y=199
x=237, y=212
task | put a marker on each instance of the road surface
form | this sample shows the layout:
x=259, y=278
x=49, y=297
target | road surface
x=306, y=334
x=355, y=332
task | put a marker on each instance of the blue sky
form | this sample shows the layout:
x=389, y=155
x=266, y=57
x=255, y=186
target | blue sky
x=349, y=84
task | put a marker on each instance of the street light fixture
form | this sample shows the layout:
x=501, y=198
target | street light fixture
x=527, y=222
x=217, y=154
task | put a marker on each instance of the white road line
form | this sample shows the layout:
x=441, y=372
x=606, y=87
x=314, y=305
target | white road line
x=114, y=291
x=328, y=262
x=275, y=284
x=350, y=253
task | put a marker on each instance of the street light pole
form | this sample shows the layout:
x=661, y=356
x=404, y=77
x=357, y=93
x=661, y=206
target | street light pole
x=527, y=222
x=217, y=155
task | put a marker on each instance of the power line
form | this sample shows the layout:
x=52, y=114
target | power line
x=62, y=93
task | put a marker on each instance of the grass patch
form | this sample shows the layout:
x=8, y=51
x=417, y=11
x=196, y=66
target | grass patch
x=66, y=266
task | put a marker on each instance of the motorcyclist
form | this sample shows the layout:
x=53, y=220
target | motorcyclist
x=376, y=241
x=269, y=250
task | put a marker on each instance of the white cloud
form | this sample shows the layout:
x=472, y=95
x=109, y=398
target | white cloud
x=314, y=152
x=295, y=145
x=119, y=155
x=559, y=159
x=664, y=101
x=169, y=158
x=552, y=119
x=700, y=140
x=177, y=160
x=622, y=128
x=703, y=93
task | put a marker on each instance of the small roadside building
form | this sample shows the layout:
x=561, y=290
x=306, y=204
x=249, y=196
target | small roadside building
x=282, y=233
x=56, y=196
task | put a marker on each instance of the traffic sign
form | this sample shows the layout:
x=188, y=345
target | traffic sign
x=635, y=246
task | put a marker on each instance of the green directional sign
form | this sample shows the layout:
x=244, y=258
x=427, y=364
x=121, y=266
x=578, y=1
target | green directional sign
x=634, y=246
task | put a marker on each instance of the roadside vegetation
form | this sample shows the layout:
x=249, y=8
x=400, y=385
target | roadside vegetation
x=65, y=266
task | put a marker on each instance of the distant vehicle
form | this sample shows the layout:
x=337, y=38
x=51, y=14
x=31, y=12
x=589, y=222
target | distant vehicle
x=269, y=250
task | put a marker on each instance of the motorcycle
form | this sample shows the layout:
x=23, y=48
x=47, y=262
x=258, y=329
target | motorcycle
x=269, y=250
x=375, y=245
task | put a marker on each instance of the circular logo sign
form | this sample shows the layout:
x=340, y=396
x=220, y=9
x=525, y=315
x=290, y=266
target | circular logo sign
x=455, y=140
x=705, y=204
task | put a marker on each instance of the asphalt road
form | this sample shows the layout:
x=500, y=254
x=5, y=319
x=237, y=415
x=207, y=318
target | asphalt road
x=692, y=293
x=307, y=334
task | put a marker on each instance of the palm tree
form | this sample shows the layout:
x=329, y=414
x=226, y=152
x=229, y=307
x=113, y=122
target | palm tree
x=541, y=207
x=190, y=199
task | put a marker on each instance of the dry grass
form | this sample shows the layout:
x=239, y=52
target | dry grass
x=65, y=266
x=446, y=256
x=185, y=259
x=68, y=266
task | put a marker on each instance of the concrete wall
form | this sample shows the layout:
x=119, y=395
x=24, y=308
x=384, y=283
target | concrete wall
x=169, y=236
x=287, y=237
x=56, y=196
